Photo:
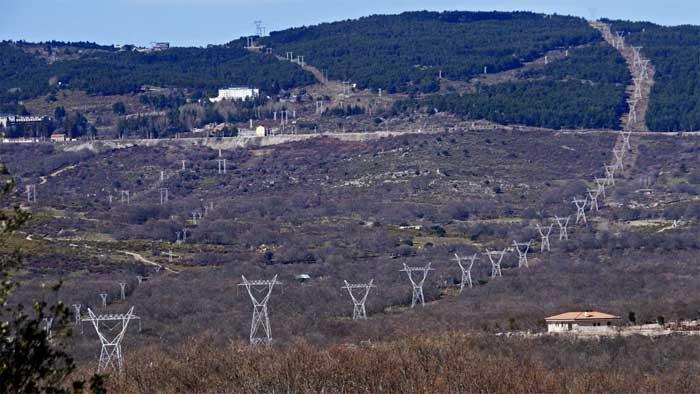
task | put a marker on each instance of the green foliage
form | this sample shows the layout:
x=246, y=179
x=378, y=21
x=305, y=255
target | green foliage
x=107, y=72
x=598, y=63
x=584, y=90
x=674, y=51
x=349, y=110
x=406, y=52
x=119, y=108
x=545, y=103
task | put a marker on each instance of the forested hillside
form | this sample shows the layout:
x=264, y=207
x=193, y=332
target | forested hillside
x=406, y=52
x=585, y=89
x=674, y=52
x=24, y=76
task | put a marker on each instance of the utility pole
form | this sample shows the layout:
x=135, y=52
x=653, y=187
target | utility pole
x=31, y=193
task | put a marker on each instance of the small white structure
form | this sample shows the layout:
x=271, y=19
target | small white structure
x=582, y=322
x=236, y=93
x=261, y=131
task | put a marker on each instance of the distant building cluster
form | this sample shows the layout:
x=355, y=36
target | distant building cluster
x=235, y=93
x=160, y=46
x=155, y=47
x=16, y=120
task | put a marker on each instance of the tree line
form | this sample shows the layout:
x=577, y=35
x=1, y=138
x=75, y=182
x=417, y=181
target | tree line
x=674, y=104
x=24, y=76
x=583, y=90
x=407, y=52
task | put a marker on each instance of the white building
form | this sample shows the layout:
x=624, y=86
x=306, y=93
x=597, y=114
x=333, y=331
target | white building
x=235, y=94
x=10, y=120
x=582, y=322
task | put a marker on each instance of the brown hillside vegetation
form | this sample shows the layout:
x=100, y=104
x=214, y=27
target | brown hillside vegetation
x=447, y=363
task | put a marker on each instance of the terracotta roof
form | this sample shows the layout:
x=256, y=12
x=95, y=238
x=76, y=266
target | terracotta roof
x=588, y=315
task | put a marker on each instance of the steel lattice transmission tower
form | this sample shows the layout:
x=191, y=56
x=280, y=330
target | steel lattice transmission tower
x=563, y=224
x=261, y=320
x=417, y=285
x=466, y=270
x=359, y=312
x=544, y=244
x=495, y=263
x=581, y=210
x=111, y=353
x=522, y=248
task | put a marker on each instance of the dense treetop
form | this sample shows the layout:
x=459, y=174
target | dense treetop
x=406, y=52
x=674, y=52
x=23, y=75
x=597, y=63
x=583, y=90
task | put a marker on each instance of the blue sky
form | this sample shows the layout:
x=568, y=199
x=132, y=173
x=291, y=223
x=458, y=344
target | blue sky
x=201, y=22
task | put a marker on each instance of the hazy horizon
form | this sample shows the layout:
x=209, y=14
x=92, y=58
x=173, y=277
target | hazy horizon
x=202, y=22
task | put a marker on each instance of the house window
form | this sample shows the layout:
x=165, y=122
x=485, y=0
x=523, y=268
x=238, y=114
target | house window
x=569, y=326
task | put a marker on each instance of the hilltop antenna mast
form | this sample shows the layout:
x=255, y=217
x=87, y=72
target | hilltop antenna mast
x=545, y=245
x=261, y=319
x=111, y=354
x=580, y=210
x=466, y=270
x=495, y=263
x=563, y=224
x=259, y=29
x=417, y=286
x=359, y=312
x=522, y=248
